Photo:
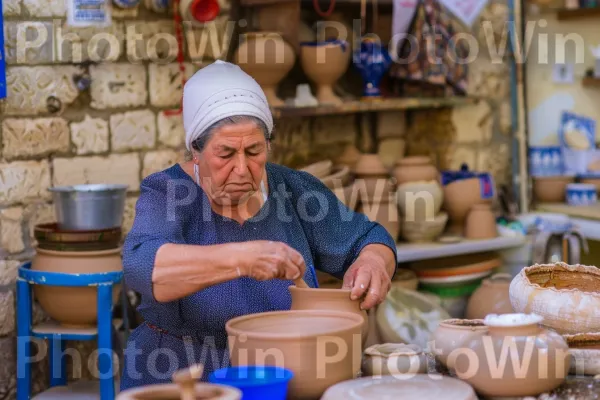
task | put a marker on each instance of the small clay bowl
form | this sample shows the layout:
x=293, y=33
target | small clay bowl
x=394, y=359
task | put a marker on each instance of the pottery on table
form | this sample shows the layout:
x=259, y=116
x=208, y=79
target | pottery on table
x=538, y=363
x=492, y=297
x=424, y=231
x=415, y=169
x=566, y=296
x=74, y=306
x=585, y=353
x=324, y=62
x=328, y=299
x=419, y=200
x=406, y=279
x=451, y=336
x=268, y=58
x=394, y=358
x=372, y=61
x=481, y=222
x=296, y=340
x=551, y=189
x=320, y=169
x=384, y=212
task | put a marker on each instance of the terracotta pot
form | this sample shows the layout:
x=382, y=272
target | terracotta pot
x=349, y=157
x=415, y=169
x=542, y=363
x=585, y=353
x=551, y=189
x=419, y=201
x=481, y=222
x=70, y=306
x=491, y=297
x=394, y=358
x=370, y=165
x=566, y=296
x=459, y=197
x=324, y=63
x=328, y=299
x=297, y=340
x=384, y=213
x=268, y=59
x=452, y=334
x=406, y=279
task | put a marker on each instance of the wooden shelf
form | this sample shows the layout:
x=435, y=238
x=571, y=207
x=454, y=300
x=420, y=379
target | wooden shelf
x=353, y=107
x=591, y=82
x=579, y=13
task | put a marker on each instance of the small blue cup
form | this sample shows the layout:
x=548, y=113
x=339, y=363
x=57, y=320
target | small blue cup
x=255, y=382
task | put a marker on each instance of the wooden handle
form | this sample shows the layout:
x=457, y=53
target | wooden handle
x=186, y=379
x=300, y=283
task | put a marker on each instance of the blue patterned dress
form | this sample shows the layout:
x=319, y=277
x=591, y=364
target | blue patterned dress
x=299, y=211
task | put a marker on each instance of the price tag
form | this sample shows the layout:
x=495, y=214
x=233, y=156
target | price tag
x=83, y=13
x=2, y=57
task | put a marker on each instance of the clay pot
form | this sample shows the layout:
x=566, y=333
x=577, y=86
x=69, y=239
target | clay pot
x=296, y=340
x=459, y=197
x=566, y=296
x=324, y=63
x=585, y=353
x=349, y=157
x=424, y=231
x=268, y=59
x=415, y=169
x=385, y=213
x=551, y=189
x=419, y=201
x=481, y=223
x=542, y=363
x=452, y=334
x=394, y=358
x=328, y=299
x=406, y=279
x=491, y=297
x=74, y=306
x=370, y=165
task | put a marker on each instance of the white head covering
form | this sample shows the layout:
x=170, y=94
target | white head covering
x=218, y=91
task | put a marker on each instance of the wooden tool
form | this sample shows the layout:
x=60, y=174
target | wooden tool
x=186, y=379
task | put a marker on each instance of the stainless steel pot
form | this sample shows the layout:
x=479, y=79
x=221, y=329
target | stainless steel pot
x=89, y=207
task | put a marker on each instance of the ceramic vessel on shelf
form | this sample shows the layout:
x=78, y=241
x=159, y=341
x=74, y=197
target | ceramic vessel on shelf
x=542, y=364
x=384, y=211
x=75, y=307
x=545, y=161
x=320, y=169
x=481, y=222
x=419, y=200
x=418, y=387
x=551, y=189
x=324, y=62
x=492, y=297
x=462, y=190
x=350, y=156
x=373, y=62
x=372, y=178
x=424, y=231
x=581, y=194
x=298, y=337
x=394, y=358
x=415, y=169
x=268, y=58
x=406, y=279
x=566, y=296
x=451, y=336
x=584, y=349
x=328, y=299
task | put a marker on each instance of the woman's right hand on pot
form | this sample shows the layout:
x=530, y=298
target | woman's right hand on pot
x=264, y=260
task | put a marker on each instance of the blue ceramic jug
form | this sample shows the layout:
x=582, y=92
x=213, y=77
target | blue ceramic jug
x=373, y=61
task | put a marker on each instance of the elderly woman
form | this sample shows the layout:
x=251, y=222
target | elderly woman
x=226, y=233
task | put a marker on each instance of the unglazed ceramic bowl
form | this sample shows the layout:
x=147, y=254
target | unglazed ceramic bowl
x=394, y=359
x=584, y=349
x=424, y=231
x=492, y=297
x=420, y=200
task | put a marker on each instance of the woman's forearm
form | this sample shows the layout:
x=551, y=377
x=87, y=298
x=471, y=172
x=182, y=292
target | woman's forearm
x=180, y=270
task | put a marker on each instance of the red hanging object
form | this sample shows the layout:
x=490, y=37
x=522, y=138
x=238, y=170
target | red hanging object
x=205, y=10
x=324, y=13
x=180, y=55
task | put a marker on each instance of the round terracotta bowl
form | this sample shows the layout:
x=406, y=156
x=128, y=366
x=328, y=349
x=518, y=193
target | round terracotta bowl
x=171, y=391
x=551, y=189
x=566, y=296
x=394, y=358
x=453, y=334
x=584, y=349
x=321, y=347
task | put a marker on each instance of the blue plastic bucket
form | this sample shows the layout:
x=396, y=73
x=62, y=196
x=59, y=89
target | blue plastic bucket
x=255, y=382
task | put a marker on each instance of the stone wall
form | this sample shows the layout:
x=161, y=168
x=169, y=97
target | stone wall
x=57, y=131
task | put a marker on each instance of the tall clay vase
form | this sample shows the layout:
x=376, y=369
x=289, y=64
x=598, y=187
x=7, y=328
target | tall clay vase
x=492, y=297
x=74, y=306
x=324, y=63
x=536, y=360
x=268, y=59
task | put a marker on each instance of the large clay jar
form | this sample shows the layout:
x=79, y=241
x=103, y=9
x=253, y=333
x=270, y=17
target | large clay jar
x=566, y=296
x=320, y=347
x=536, y=360
x=491, y=297
x=268, y=59
x=452, y=334
x=481, y=222
x=74, y=306
x=328, y=299
x=414, y=169
x=324, y=63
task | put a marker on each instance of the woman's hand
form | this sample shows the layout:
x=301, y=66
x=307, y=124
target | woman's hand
x=371, y=275
x=264, y=260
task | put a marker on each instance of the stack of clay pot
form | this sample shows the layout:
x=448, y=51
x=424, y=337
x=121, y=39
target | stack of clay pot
x=419, y=197
x=337, y=178
x=376, y=193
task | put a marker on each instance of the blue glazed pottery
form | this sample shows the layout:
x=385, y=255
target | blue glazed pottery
x=546, y=161
x=487, y=183
x=581, y=194
x=373, y=61
x=255, y=382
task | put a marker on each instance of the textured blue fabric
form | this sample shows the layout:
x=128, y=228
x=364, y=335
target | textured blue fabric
x=299, y=211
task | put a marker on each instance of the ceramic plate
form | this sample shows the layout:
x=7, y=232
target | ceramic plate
x=474, y=268
x=448, y=280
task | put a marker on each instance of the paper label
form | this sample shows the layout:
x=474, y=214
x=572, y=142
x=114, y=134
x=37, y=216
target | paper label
x=82, y=13
x=2, y=57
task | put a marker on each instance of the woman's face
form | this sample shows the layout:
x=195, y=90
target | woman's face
x=232, y=163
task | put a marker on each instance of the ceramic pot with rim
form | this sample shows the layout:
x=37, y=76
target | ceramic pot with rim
x=538, y=363
x=415, y=169
x=481, y=222
x=452, y=334
x=492, y=297
x=328, y=299
x=268, y=58
x=324, y=62
x=394, y=358
x=74, y=306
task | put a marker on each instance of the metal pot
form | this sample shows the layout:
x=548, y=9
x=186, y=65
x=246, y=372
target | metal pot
x=89, y=207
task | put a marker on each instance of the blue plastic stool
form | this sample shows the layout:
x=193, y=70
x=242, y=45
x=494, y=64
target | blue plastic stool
x=25, y=331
